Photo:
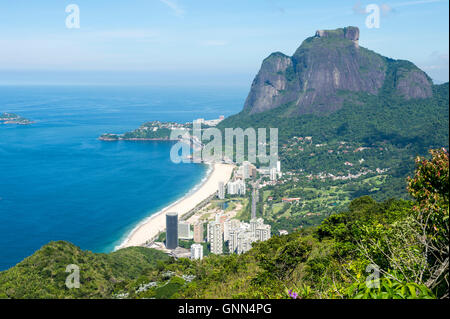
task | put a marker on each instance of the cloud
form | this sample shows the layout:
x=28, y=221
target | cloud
x=177, y=10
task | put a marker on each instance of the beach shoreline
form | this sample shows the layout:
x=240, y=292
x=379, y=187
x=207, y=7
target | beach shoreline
x=156, y=223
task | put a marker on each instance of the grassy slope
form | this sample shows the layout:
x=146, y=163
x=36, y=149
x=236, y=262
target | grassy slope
x=320, y=262
x=42, y=275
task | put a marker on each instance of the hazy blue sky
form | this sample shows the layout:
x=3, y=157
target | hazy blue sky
x=200, y=41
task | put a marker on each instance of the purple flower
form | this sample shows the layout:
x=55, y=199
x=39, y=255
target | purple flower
x=293, y=294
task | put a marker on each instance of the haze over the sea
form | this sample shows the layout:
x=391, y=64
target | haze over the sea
x=58, y=182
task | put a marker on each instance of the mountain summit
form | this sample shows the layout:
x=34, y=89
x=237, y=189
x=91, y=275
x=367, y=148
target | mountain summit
x=328, y=68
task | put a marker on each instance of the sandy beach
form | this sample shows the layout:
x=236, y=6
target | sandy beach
x=157, y=222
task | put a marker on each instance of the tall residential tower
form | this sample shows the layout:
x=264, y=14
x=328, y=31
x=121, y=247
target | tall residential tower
x=171, y=230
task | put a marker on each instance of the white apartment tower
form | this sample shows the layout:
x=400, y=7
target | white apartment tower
x=246, y=168
x=221, y=191
x=228, y=226
x=245, y=240
x=233, y=240
x=262, y=232
x=198, y=232
x=259, y=230
x=197, y=251
x=184, y=231
x=215, y=237
x=236, y=188
x=273, y=174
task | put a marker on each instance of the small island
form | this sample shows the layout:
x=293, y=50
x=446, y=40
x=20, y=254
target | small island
x=11, y=118
x=149, y=131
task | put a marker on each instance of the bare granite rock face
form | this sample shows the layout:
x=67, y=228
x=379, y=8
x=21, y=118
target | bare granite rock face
x=271, y=83
x=414, y=85
x=325, y=65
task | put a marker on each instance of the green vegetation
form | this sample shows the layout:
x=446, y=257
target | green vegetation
x=365, y=119
x=331, y=261
x=405, y=241
x=43, y=274
x=154, y=130
x=163, y=133
x=372, y=139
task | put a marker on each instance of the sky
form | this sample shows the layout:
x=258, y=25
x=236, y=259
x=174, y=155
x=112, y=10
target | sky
x=204, y=42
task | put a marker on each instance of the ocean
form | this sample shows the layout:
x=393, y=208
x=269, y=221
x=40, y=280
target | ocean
x=59, y=182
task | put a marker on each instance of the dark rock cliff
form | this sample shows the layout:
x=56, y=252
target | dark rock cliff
x=326, y=65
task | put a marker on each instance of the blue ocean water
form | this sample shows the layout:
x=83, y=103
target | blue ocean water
x=59, y=182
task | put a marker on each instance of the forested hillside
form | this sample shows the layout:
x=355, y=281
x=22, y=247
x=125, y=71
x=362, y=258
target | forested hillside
x=405, y=241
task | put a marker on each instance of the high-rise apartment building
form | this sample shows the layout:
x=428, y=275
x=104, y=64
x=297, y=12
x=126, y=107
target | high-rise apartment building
x=236, y=188
x=228, y=226
x=221, y=190
x=196, y=251
x=215, y=237
x=273, y=174
x=171, y=230
x=198, y=232
x=240, y=238
x=184, y=231
x=262, y=232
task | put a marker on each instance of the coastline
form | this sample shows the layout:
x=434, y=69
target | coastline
x=159, y=139
x=156, y=223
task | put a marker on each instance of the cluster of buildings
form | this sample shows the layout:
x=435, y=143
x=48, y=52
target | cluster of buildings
x=274, y=173
x=363, y=171
x=239, y=235
x=176, y=230
x=247, y=170
x=235, y=187
x=210, y=122
x=156, y=125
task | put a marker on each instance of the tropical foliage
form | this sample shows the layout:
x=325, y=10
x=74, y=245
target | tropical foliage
x=385, y=250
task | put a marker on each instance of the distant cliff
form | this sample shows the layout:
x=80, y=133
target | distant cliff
x=325, y=67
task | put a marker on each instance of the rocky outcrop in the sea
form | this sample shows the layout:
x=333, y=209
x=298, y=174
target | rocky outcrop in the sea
x=11, y=118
